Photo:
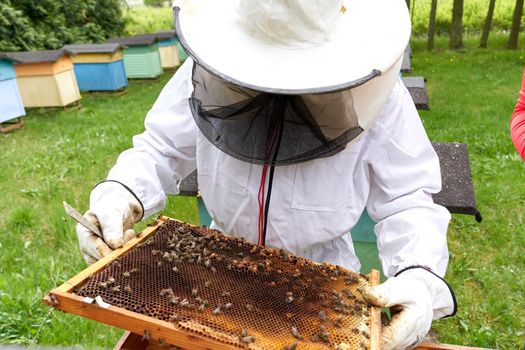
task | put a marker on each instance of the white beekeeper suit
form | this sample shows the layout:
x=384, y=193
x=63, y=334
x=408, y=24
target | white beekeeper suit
x=391, y=169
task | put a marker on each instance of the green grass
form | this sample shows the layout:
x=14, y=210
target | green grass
x=60, y=154
x=472, y=95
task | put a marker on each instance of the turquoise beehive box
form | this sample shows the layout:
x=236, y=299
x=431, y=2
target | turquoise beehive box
x=141, y=56
x=11, y=105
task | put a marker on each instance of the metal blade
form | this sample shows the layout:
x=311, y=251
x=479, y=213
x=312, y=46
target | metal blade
x=81, y=219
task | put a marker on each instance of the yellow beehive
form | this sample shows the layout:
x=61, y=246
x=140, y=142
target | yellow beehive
x=168, y=50
x=45, y=78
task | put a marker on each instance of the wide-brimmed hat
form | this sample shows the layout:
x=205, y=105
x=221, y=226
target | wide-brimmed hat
x=295, y=46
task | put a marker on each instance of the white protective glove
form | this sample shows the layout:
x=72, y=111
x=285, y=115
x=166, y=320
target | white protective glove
x=114, y=209
x=416, y=296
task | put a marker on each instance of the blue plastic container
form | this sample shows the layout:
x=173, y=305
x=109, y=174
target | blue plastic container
x=106, y=76
x=11, y=105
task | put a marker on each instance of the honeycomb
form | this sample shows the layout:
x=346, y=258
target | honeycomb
x=238, y=293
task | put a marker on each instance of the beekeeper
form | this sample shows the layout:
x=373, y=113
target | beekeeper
x=294, y=114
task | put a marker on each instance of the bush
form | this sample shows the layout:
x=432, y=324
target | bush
x=49, y=24
x=141, y=20
x=154, y=3
x=474, y=12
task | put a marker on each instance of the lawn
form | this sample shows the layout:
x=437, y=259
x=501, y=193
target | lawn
x=61, y=153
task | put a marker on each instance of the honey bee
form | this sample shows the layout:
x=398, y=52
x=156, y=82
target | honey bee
x=207, y=284
x=225, y=294
x=295, y=333
x=128, y=289
x=217, y=310
x=322, y=316
x=291, y=347
x=338, y=321
x=115, y=289
x=194, y=292
x=146, y=336
x=126, y=274
x=289, y=297
x=248, y=339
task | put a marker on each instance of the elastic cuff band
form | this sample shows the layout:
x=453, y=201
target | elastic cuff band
x=446, y=283
x=129, y=190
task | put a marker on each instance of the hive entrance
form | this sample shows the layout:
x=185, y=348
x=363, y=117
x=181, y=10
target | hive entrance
x=231, y=291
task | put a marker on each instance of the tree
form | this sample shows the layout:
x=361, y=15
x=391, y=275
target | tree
x=456, y=30
x=49, y=24
x=487, y=25
x=516, y=23
x=432, y=25
x=15, y=31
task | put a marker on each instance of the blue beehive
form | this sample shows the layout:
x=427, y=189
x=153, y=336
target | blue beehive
x=11, y=105
x=99, y=67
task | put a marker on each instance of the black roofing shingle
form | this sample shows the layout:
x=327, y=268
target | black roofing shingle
x=26, y=57
x=166, y=34
x=94, y=48
x=137, y=40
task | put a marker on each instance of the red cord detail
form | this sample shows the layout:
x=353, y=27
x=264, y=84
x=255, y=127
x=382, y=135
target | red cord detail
x=262, y=189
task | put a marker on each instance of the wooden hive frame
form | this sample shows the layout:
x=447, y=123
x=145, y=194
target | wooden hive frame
x=64, y=299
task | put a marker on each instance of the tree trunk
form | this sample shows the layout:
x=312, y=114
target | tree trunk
x=456, y=30
x=487, y=25
x=432, y=25
x=516, y=23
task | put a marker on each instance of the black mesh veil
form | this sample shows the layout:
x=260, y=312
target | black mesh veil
x=274, y=129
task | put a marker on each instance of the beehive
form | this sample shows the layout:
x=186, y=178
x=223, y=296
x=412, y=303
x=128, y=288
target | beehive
x=141, y=56
x=45, y=78
x=99, y=67
x=168, y=50
x=11, y=106
x=196, y=288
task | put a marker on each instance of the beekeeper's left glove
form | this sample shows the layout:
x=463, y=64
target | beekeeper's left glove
x=114, y=209
x=416, y=296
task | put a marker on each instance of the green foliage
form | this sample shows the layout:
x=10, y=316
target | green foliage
x=49, y=24
x=154, y=3
x=147, y=19
x=474, y=13
x=141, y=20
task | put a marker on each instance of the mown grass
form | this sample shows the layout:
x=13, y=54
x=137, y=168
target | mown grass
x=60, y=154
x=472, y=95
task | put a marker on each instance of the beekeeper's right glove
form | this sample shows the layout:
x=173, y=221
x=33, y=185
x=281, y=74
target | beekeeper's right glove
x=114, y=209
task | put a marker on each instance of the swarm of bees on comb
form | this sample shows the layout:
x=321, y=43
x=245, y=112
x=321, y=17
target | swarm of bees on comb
x=236, y=292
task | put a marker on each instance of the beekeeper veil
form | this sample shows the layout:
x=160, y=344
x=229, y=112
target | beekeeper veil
x=281, y=82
